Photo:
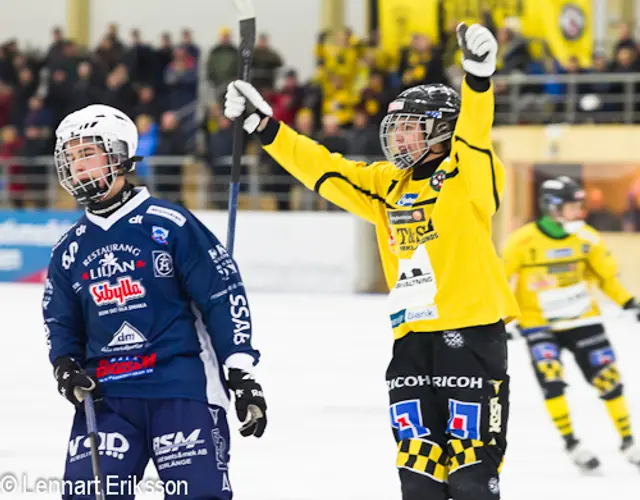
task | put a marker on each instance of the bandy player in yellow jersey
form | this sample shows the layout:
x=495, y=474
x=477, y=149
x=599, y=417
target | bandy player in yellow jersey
x=556, y=261
x=432, y=203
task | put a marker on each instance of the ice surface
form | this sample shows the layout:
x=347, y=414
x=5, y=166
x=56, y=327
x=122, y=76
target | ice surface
x=328, y=437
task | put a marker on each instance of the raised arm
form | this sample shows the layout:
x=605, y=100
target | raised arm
x=353, y=186
x=482, y=171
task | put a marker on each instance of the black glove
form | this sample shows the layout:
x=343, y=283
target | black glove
x=251, y=406
x=73, y=381
x=634, y=307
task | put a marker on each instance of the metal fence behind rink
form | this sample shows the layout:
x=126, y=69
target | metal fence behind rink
x=567, y=98
x=31, y=182
x=200, y=182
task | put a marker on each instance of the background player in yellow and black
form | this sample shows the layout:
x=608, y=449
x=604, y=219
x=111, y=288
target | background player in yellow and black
x=558, y=260
x=432, y=203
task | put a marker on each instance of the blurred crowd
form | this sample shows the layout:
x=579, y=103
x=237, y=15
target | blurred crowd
x=174, y=93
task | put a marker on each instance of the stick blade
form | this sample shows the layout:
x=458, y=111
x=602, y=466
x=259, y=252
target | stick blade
x=245, y=9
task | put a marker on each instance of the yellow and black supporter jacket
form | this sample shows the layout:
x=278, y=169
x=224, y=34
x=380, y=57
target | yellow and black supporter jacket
x=434, y=234
x=554, y=278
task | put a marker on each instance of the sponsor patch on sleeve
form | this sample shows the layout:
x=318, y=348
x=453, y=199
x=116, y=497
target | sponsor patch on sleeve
x=168, y=213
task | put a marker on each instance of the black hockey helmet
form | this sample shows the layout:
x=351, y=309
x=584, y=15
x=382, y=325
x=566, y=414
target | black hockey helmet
x=416, y=120
x=556, y=192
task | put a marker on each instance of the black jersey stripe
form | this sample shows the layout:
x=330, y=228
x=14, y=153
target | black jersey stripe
x=487, y=152
x=337, y=175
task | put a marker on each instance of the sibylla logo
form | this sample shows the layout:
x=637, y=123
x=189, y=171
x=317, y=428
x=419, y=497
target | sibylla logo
x=127, y=289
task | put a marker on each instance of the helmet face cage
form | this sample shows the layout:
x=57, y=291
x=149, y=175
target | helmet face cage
x=87, y=166
x=419, y=131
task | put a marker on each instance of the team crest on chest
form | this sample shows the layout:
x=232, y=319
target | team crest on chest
x=437, y=179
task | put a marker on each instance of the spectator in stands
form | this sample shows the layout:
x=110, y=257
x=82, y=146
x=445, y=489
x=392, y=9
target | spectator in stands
x=339, y=101
x=181, y=78
x=163, y=57
x=376, y=97
x=599, y=94
x=39, y=117
x=220, y=150
x=189, y=45
x=542, y=103
x=10, y=148
x=112, y=35
x=147, y=103
x=222, y=65
x=56, y=50
x=108, y=55
x=70, y=60
x=25, y=88
x=513, y=52
x=6, y=101
x=168, y=172
x=210, y=124
x=288, y=100
x=331, y=136
x=139, y=59
x=147, y=145
x=120, y=93
x=363, y=139
x=37, y=143
x=625, y=39
x=59, y=96
x=266, y=62
x=85, y=90
x=599, y=216
x=421, y=63
x=341, y=57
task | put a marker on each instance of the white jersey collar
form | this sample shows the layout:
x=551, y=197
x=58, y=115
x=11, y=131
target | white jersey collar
x=141, y=195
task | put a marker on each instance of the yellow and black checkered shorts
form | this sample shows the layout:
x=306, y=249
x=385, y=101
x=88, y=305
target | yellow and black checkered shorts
x=423, y=457
x=551, y=369
x=462, y=453
x=607, y=379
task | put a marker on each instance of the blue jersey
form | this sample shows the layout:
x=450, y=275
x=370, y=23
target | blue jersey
x=149, y=301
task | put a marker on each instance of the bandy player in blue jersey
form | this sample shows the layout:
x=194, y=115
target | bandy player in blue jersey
x=144, y=307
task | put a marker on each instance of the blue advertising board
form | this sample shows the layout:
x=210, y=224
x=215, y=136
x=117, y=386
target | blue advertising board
x=26, y=240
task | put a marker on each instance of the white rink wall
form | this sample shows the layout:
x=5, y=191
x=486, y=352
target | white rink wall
x=324, y=357
x=301, y=251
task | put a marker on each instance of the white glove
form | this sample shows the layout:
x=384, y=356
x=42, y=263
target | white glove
x=235, y=103
x=479, y=49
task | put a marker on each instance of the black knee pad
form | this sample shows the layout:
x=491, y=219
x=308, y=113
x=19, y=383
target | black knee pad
x=474, y=470
x=476, y=482
x=616, y=393
x=415, y=486
x=553, y=389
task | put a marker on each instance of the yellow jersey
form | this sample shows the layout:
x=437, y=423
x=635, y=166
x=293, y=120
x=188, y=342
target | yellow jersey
x=555, y=277
x=434, y=234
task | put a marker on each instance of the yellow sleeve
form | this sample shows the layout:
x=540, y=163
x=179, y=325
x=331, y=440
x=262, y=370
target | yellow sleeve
x=511, y=257
x=349, y=184
x=482, y=171
x=602, y=266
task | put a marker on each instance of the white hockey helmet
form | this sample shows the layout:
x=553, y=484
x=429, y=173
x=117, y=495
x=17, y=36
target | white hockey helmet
x=77, y=136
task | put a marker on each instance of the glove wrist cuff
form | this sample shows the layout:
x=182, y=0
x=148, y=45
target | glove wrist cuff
x=478, y=83
x=268, y=135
